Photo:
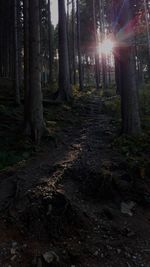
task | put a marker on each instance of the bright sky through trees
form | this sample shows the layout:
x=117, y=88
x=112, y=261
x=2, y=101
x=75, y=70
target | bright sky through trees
x=54, y=12
x=107, y=46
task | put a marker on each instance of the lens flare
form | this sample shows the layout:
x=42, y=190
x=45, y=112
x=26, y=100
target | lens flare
x=106, y=47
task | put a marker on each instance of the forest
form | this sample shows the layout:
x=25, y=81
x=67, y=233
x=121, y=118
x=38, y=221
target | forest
x=75, y=133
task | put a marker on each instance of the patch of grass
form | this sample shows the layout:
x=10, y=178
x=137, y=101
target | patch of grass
x=133, y=145
x=15, y=151
x=8, y=158
x=112, y=107
x=13, y=147
x=3, y=110
x=136, y=153
x=144, y=97
x=111, y=91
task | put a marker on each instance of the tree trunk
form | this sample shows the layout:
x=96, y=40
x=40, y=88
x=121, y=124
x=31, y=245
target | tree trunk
x=50, y=42
x=26, y=65
x=73, y=42
x=16, y=69
x=97, y=67
x=148, y=34
x=129, y=96
x=69, y=43
x=102, y=37
x=79, y=46
x=65, y=92
x=35, y=106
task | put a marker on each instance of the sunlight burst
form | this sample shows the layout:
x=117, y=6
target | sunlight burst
x=106, y=47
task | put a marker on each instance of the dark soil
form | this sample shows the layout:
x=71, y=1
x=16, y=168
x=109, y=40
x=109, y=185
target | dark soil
x=67, y=200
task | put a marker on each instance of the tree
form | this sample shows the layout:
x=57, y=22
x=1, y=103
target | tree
x=126, y=56
x=16, y=46
x=79, y=46
x=50, y=41
x=73, y=43
x=148, y=32
x=34, y=116
x=26, y=65
x=65, y=92
x=97, y=66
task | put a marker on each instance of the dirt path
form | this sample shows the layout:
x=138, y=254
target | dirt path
x=62, y=203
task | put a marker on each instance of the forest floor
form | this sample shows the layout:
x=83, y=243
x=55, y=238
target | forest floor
x=83, y=198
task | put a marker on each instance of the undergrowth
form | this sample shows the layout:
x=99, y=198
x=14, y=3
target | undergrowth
x=14, y=148
x=135, y=151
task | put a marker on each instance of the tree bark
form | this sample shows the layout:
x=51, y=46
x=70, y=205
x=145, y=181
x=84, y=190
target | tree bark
x=33, y=75
x=129, y=95
x=73, y=42
x=79, y=46
x=26, y=65
x=148, y=33
x=65, y=92
x=97, y=67
x=16, y=69
x=50, y=41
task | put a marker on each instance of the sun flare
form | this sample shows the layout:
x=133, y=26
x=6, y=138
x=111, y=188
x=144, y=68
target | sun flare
x=106, y=47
